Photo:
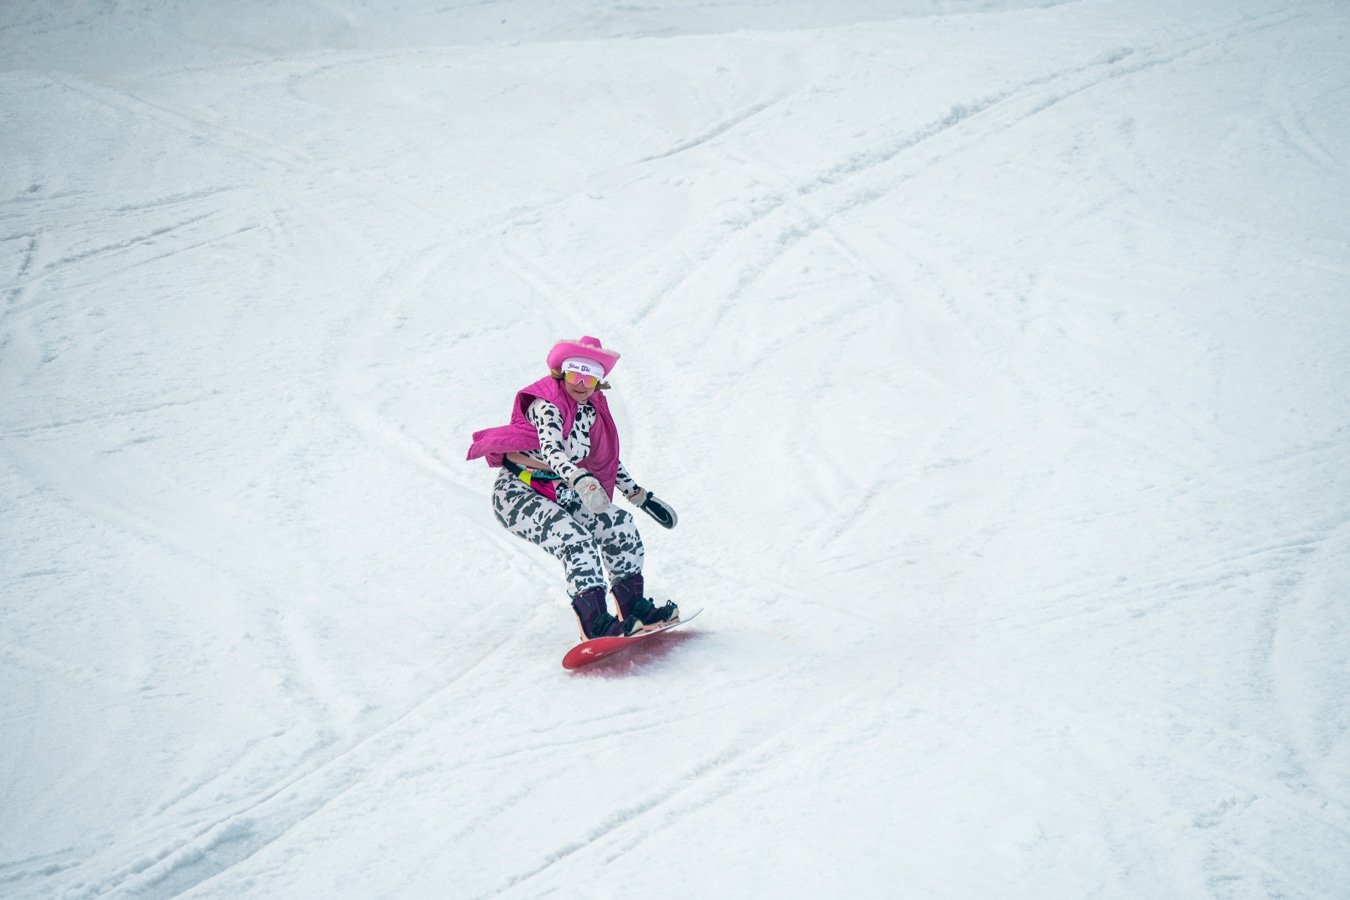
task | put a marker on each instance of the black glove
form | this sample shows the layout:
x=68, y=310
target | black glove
x=659, y=510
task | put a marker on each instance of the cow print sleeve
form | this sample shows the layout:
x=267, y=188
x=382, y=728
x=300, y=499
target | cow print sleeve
x=547, y=420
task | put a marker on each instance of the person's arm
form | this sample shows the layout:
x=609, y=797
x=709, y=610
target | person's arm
x=645, y=500
x=548, y=422
x=625, y=485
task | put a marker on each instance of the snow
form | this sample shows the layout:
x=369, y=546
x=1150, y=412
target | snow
x=993, y=355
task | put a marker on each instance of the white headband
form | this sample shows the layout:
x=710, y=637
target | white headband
x=584, y=366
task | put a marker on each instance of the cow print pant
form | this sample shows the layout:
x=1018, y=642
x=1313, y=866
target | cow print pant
x=587, y=544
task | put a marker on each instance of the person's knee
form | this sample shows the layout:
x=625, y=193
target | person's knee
x=619, y=519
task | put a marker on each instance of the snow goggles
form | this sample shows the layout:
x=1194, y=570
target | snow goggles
x=586, y=381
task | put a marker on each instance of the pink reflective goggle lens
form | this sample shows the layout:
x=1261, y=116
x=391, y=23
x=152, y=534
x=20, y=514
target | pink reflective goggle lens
x=586, y=381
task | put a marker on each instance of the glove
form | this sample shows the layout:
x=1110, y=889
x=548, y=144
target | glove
x=657, y=509
x=591, y=494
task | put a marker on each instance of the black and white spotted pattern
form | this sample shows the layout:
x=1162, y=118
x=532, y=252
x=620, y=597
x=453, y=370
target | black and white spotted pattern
x=587, y=544
x=559, y=453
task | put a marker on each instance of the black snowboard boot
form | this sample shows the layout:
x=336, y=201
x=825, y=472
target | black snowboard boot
x=594, y=617
x=638, y=613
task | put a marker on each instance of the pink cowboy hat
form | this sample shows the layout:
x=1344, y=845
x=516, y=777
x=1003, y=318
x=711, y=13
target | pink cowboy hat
x=588, y=347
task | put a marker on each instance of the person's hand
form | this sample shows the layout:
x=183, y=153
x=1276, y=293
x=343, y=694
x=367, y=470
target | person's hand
x=659, y=510
x=591, y=493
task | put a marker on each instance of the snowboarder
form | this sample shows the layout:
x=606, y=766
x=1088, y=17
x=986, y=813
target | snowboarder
x=560, y=465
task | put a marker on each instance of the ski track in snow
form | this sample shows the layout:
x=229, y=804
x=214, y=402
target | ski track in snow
x=221, y=844
x=1065, y=622
x=864, y=177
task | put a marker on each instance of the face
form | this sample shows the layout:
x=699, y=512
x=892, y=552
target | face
x=578, y=389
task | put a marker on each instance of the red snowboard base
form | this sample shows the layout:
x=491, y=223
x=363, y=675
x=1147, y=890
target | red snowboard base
x=598, y=648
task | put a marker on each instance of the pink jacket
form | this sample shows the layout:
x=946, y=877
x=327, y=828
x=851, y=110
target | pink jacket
x=520, y=434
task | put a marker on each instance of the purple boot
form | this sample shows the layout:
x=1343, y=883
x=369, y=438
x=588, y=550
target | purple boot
x=637, y=612
x=593, y=615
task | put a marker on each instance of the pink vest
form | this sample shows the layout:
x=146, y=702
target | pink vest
x=603, y=459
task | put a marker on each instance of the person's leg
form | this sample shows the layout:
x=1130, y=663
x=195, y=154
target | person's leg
x=621, y=548
x=615, y=532
x=526, y=513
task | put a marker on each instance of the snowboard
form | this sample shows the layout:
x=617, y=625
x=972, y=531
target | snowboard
x=596, y=649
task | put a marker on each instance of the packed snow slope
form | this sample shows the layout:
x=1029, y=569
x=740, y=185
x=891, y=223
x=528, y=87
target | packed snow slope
x=994, y=354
